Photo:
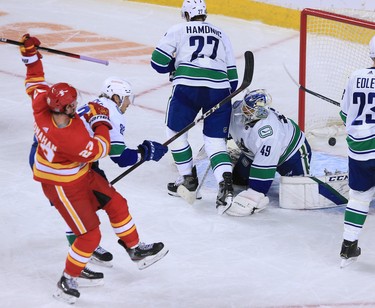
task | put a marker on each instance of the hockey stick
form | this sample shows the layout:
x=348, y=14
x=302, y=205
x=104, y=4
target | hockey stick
x=203, y=178
x=248, y=76
x=59, y=52
x=329, y=100
x=201, y=181
x=329, y=192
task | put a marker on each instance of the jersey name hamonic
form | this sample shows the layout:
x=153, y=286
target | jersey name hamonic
x=203, y=53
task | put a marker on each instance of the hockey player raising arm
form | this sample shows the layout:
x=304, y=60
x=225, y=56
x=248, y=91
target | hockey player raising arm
x=357, y=112
x=63, y=167
x=116, y=95
x=200, y=57
x=269, y=143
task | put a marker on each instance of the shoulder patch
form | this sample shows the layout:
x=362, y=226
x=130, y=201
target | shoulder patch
x=265, y=131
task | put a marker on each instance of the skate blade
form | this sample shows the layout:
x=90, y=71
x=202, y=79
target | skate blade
x=65, y=298
x=148, y=261
x=187, y=195
x=88, y=283
x=347, y=262
x=198, y=197
x=96, y=261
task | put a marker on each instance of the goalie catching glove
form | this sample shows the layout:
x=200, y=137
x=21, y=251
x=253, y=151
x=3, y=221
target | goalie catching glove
x=247, y=203
x=152, y=150
x=97, y=115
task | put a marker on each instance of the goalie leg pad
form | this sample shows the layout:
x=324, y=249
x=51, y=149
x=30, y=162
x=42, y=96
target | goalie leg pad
x=248, y=202
x=309, y=192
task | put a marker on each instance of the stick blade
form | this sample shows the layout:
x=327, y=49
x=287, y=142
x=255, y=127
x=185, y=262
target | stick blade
x=249, y=69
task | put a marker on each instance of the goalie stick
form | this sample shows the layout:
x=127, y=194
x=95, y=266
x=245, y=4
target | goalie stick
x=248, y=76
x=327, y=99
x=59, y=52
x=187, y=195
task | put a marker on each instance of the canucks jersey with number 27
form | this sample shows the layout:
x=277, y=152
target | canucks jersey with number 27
x=200, y=54
x=358, y=114
x=269, y=143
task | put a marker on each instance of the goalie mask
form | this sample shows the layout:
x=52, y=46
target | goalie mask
x=117, y=86
x=254, y=105
x=193, y=8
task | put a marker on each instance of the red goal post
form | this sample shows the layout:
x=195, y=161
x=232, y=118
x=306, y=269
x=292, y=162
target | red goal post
x=331, y=47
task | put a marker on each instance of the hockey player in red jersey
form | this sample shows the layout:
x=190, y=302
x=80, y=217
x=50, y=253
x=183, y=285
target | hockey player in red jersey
x=63, y=167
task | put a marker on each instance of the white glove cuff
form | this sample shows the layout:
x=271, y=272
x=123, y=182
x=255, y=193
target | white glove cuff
x=29, y=60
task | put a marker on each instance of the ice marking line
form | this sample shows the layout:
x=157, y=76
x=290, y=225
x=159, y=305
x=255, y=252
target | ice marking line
x=127, y=49
x=94, y=94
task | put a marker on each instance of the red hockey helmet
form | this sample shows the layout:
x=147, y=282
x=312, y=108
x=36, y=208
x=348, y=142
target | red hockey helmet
x=60, y=95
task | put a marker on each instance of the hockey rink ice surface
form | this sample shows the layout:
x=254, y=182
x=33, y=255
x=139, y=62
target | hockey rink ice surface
x=277, y=258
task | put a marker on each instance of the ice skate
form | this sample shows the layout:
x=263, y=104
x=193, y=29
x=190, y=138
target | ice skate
x=67, y=289
x=101, y=257
x=185, y=187
x=225, y=195
x=349, y=252
x=90, y=278
x=145, y=254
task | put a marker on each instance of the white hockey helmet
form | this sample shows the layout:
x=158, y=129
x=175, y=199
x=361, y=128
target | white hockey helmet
x=193, y=8
x=117, y=86
x=372, y=48
x=254, y=105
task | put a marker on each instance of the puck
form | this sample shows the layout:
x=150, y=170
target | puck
x=332, y=141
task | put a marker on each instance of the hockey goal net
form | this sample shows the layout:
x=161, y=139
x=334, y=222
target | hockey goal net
x=332, y=45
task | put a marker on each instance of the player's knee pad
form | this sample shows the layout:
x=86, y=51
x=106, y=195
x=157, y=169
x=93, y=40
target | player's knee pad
x=88, y=241
x=180, y=143
x=214, y=145
x=117, y=209
x=362, y=196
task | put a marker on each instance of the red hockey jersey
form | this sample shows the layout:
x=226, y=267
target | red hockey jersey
x=64, y=154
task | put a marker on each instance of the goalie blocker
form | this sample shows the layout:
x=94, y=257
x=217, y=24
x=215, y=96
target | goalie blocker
x=309, y=192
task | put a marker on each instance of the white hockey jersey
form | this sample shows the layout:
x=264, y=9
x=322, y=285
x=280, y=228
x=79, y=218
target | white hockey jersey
x=269, y=142
x=203, y=55
x=117, y=120
x=358, y=114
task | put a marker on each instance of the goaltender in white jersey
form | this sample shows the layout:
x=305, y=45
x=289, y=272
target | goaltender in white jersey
x=269, y=142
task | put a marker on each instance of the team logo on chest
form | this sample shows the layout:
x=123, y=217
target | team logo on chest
x=265, y=131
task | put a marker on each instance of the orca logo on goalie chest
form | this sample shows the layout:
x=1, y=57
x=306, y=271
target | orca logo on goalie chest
x=265, y=131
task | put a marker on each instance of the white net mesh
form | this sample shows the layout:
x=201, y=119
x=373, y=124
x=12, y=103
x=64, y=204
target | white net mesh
x=334, y=49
